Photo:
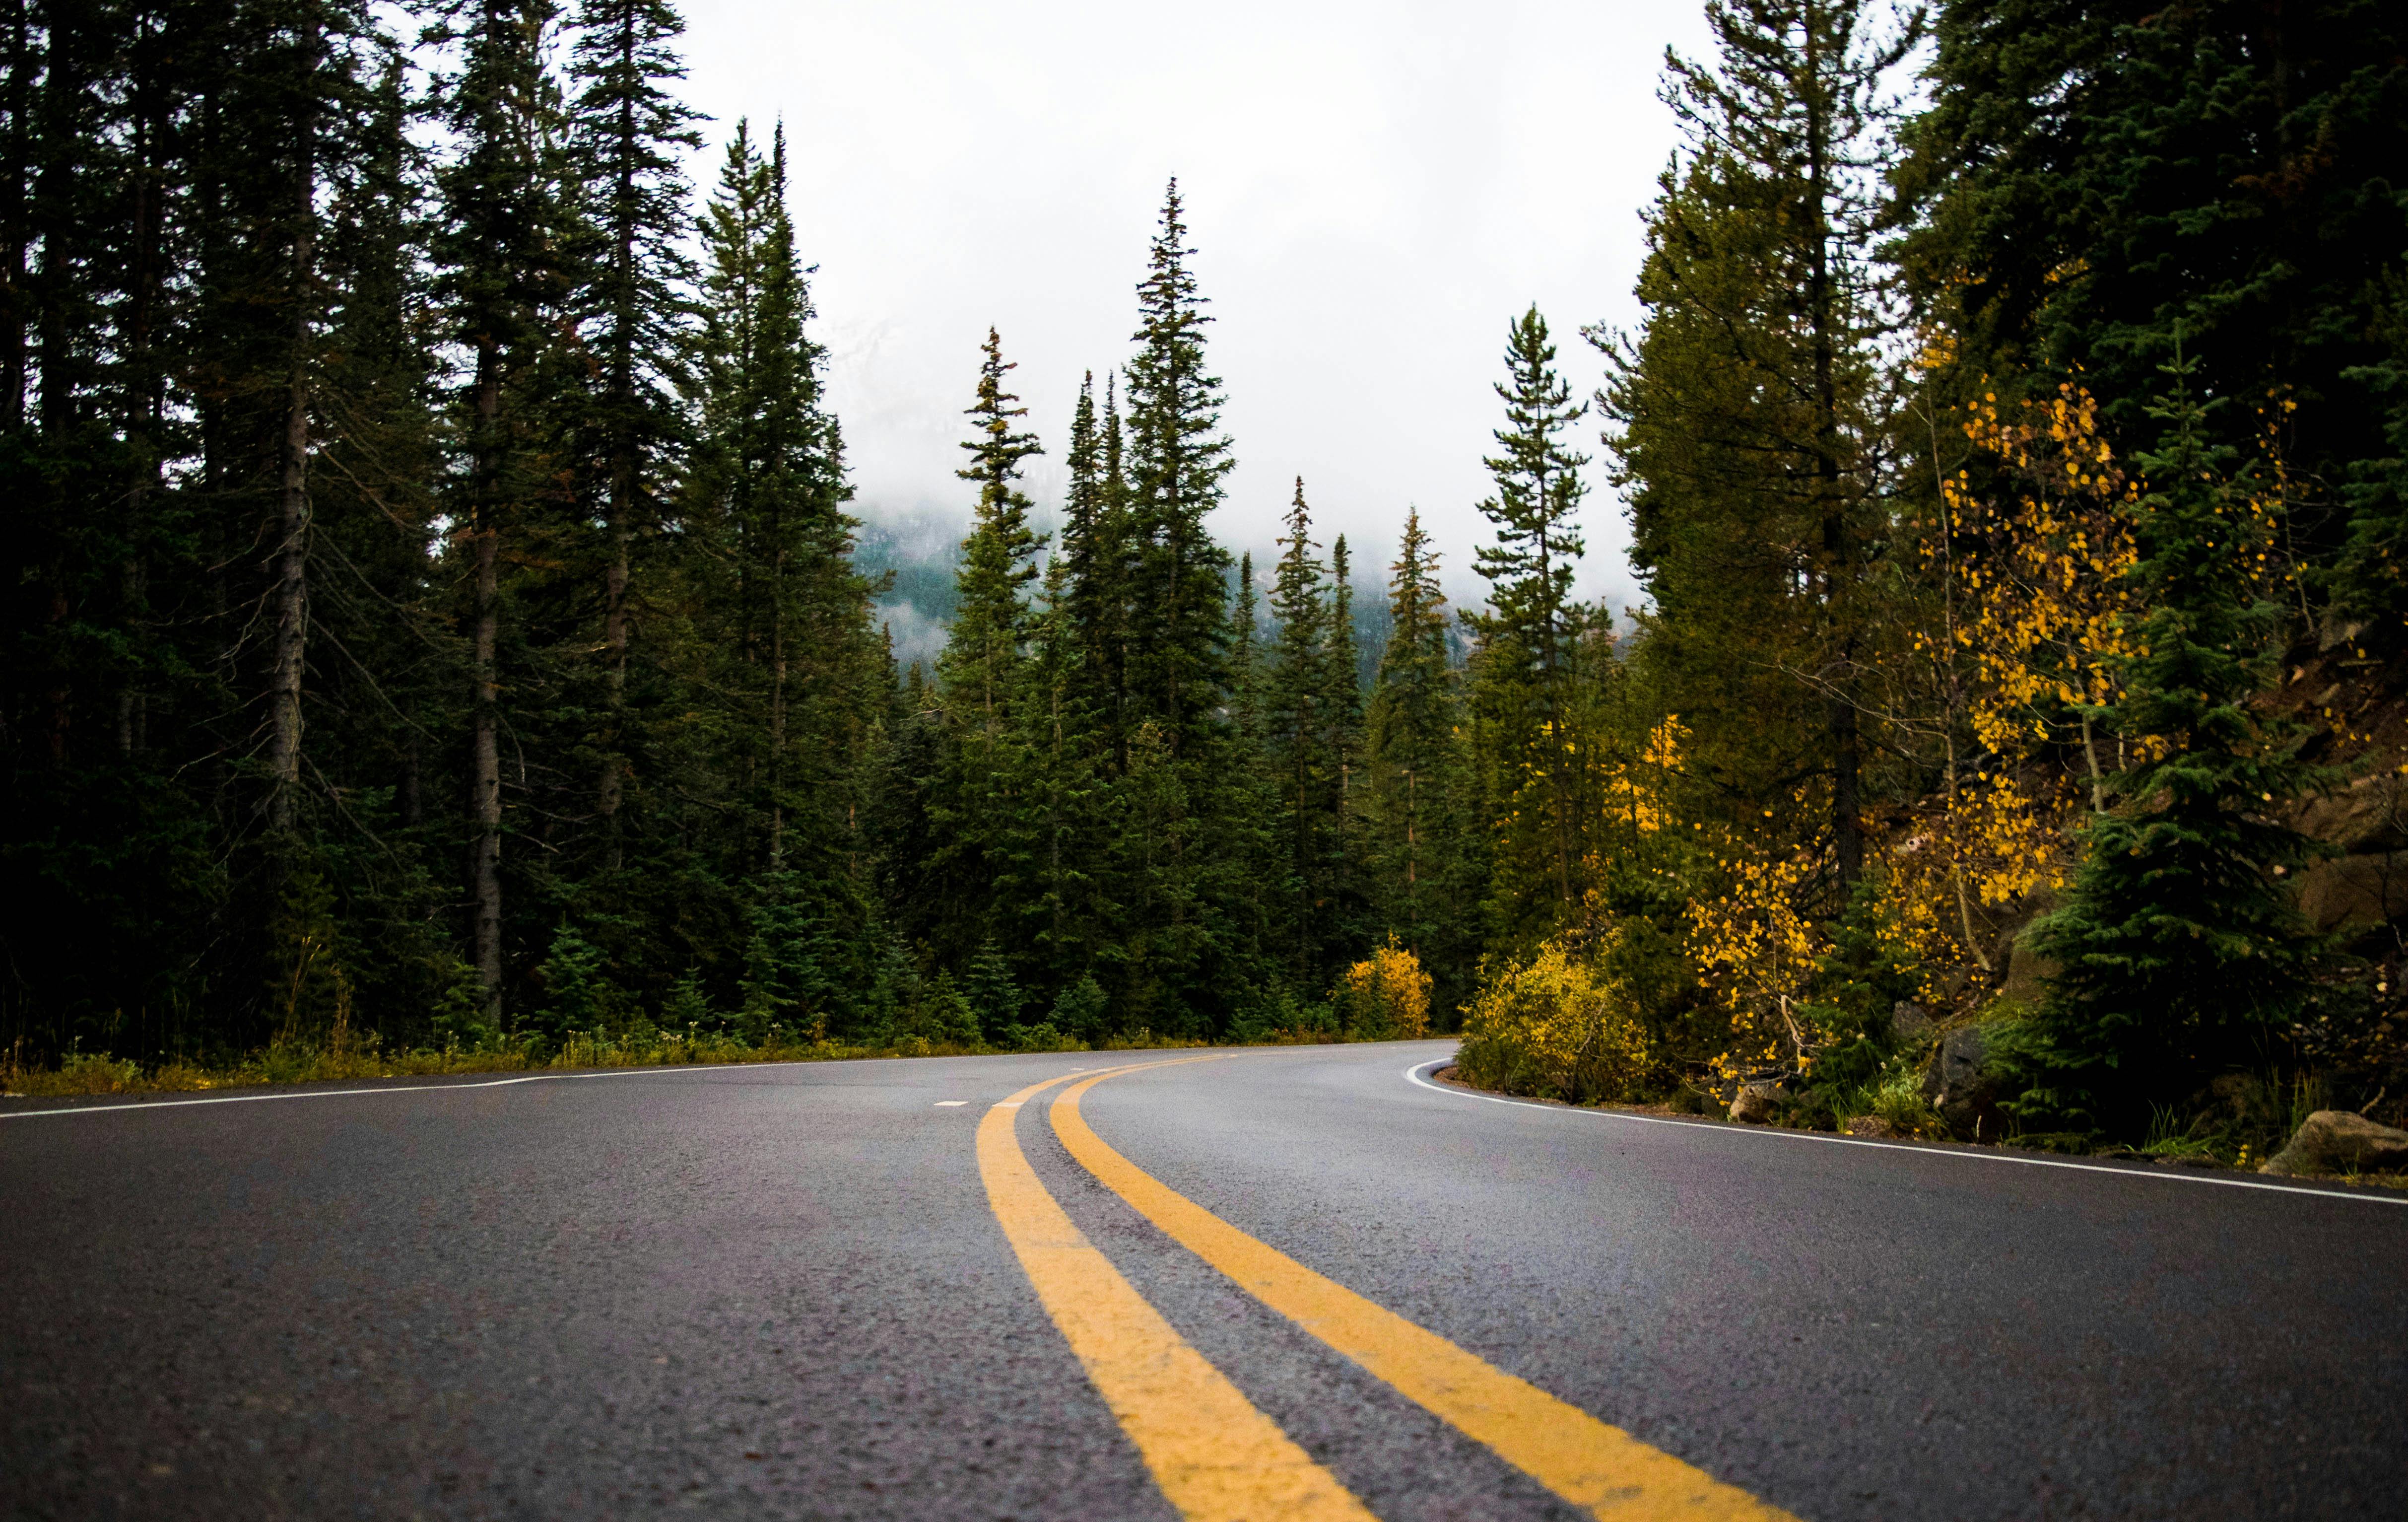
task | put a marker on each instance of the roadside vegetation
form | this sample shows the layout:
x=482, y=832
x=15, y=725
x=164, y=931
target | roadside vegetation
x=436, y=641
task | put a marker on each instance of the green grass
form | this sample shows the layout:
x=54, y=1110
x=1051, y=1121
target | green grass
x=88, y=1073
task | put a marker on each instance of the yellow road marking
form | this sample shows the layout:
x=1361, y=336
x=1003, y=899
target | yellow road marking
x=1215, y=1457
x=1588, y=1463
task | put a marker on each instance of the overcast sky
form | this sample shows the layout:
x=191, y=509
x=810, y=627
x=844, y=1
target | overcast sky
x=1373, y=191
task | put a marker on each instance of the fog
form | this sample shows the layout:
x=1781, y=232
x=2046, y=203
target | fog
x=1373, y=193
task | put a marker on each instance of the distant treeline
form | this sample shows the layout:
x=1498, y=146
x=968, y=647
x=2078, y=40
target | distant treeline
x=434, y=610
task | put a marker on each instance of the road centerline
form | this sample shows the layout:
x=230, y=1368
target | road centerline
x=1588, y=1462
x=1216, y=1458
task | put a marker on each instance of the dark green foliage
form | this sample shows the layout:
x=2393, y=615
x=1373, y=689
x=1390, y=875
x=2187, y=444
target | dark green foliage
x=579, y=996
x=1080, y=1013
x=2180, y=955
x=1859, y=983
x=1527, y=668
x=2095, y=181
x=995, y=999
x=1417, y=827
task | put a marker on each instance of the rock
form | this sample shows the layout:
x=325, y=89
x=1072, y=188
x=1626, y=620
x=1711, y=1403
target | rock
x=2370, y=814
x=2338, y=1141
x=1756, y=1103
x=1956, y=1068
x=1958, y=1085
x=1910, y=1023
x=1872, y=1126
x=2361, y=891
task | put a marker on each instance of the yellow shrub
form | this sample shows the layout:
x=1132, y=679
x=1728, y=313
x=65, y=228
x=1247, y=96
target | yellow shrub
x=1554, y=1026
x=1387, y=995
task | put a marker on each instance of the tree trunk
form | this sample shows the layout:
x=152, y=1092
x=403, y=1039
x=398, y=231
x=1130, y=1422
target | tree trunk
x=1847, y=764
x=614, y=639
x=486, y=783
x=623, y=453
x=14, y=235
x=778, y=713
x=143, y=403
x=293, y=523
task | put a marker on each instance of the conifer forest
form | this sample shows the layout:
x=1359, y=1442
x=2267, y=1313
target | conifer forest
x=435, y=622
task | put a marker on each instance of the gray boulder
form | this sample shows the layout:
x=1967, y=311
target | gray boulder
x=1911, y=1023
x=1756, y=1103
x=2339, y=1142
x=1961, y=1088
x=1956, y=1070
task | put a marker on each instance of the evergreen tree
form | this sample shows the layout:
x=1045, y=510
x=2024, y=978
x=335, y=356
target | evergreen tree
x=2180, y=952
x=1178, y=457
x=1411, y=742
x=1060, y=841
x=626, y=137
x=1297, y=729
x=498, y=246
x=1530, y=637
x=1341, y=686
x=991, y=626
x=2088, y=182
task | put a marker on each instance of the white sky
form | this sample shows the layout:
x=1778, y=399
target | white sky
x=1373, y=191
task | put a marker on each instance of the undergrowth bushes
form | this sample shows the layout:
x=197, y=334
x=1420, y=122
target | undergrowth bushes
x=1557, y=1025
x=91, y=1073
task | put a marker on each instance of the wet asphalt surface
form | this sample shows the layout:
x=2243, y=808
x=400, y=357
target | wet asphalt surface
x=780, y=1292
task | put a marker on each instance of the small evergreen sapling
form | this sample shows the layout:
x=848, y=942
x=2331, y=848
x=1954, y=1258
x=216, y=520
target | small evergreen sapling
x=995, y=998
x=1857, y=982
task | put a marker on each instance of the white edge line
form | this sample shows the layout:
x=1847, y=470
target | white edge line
x=397, y=1088
x=435, y=1088
x=1415, y=1073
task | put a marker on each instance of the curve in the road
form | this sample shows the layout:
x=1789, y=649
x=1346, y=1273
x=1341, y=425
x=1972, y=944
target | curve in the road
x=1215, y=1456
x=1598, y=1468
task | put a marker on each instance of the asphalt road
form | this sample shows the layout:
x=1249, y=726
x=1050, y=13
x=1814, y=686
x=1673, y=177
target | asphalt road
x=787, y=1291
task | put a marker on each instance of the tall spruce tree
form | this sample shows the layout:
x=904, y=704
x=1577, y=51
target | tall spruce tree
x=779, y=652
x=1530, y=634
x=626, y=136
x=2180, y=953
x=1177, y=459
x=502, y=282
x=991, y=625
x=1297, y=729
x=1751, y=411
x=1412, y=719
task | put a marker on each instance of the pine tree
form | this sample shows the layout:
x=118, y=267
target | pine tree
x=1297, y=729
x=1412, y=719
x=1530, y=634
x=990, y=631
x=501, y=279
x=625, y=136
x=2180, y=952
x=1752, y=409
x=1246, y=669
x=1341, y=685
x=1061, y=841
x=1177, y=460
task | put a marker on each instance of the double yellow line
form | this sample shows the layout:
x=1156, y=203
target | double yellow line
x=1215, y=1456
